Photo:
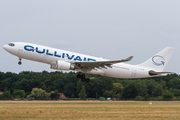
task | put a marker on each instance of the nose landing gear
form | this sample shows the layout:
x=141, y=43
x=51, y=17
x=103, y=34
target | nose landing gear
x=19, y=61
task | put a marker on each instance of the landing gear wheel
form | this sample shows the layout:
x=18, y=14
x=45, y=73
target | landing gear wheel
x=87, y=80
x=19, y=62
x=83, y=79
x=78, y=76
x=83, y=76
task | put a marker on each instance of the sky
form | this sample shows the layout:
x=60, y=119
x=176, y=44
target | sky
x=112, y=29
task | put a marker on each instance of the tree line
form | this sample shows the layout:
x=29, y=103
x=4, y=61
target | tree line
x=21, y=85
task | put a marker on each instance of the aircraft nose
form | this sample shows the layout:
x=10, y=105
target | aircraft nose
x=5, y=47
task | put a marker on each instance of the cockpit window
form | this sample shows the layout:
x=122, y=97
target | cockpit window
x=11, y=44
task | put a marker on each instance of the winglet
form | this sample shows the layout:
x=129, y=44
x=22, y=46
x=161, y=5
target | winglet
x=129, y=58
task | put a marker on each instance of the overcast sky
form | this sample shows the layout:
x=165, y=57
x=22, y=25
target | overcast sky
x=112, y=29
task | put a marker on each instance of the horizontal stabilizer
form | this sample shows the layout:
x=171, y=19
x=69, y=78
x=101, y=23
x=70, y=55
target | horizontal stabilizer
x=152, y=73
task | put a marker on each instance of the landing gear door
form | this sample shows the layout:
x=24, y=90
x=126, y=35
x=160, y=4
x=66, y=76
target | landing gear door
x=134, y=71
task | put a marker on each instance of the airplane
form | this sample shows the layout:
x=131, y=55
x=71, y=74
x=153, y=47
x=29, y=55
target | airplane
x=84, y=64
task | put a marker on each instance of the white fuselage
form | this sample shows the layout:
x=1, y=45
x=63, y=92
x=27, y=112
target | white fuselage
x=47, y=55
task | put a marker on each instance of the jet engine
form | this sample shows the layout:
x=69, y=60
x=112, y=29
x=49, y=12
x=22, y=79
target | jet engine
x=61, y=65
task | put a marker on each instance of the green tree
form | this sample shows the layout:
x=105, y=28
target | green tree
x=79, y=86
x=7, y=83
x=157, y=90
x=24, y=84
x=168, y=95
x=147, y=96
x=5, y=89
x=150, y=86
x=72, y=96
x=7, y=95
x=138, y=97
x=44, y=87
x=54, y=94
x=69, y=89
x=118, y=88
x=37, y=93
x=169, y=77
x=82, y=93
x=108, y=94
x=135, y=88
x=19, y=94
x=176, y=92
x=163, y=83
x=141, y=88
x=68, y=84
x=1, y=96
x=49, y=89
x=130, y=91
x=174, y=83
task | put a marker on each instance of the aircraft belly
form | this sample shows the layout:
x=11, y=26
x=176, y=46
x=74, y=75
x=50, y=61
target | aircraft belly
x=118, y=72
x=142, y=73
x=97, y=72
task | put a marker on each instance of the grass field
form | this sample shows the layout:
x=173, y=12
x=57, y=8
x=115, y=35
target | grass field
x=89, y=110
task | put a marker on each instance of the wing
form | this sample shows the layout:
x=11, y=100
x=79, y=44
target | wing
x=99, y=64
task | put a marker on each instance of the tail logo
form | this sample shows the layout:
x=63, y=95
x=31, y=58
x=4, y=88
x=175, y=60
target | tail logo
x=158, y=60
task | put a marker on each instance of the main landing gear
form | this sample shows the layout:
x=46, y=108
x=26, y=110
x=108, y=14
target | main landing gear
x=19, y=61
x=83, y=77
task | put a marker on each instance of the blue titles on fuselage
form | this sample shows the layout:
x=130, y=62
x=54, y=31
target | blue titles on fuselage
x=55, y=54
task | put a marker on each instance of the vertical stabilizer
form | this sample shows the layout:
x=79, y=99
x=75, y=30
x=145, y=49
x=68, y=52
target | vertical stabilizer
x=159, y=61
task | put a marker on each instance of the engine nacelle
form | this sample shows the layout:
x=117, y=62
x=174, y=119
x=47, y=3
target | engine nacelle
x=61, y=65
